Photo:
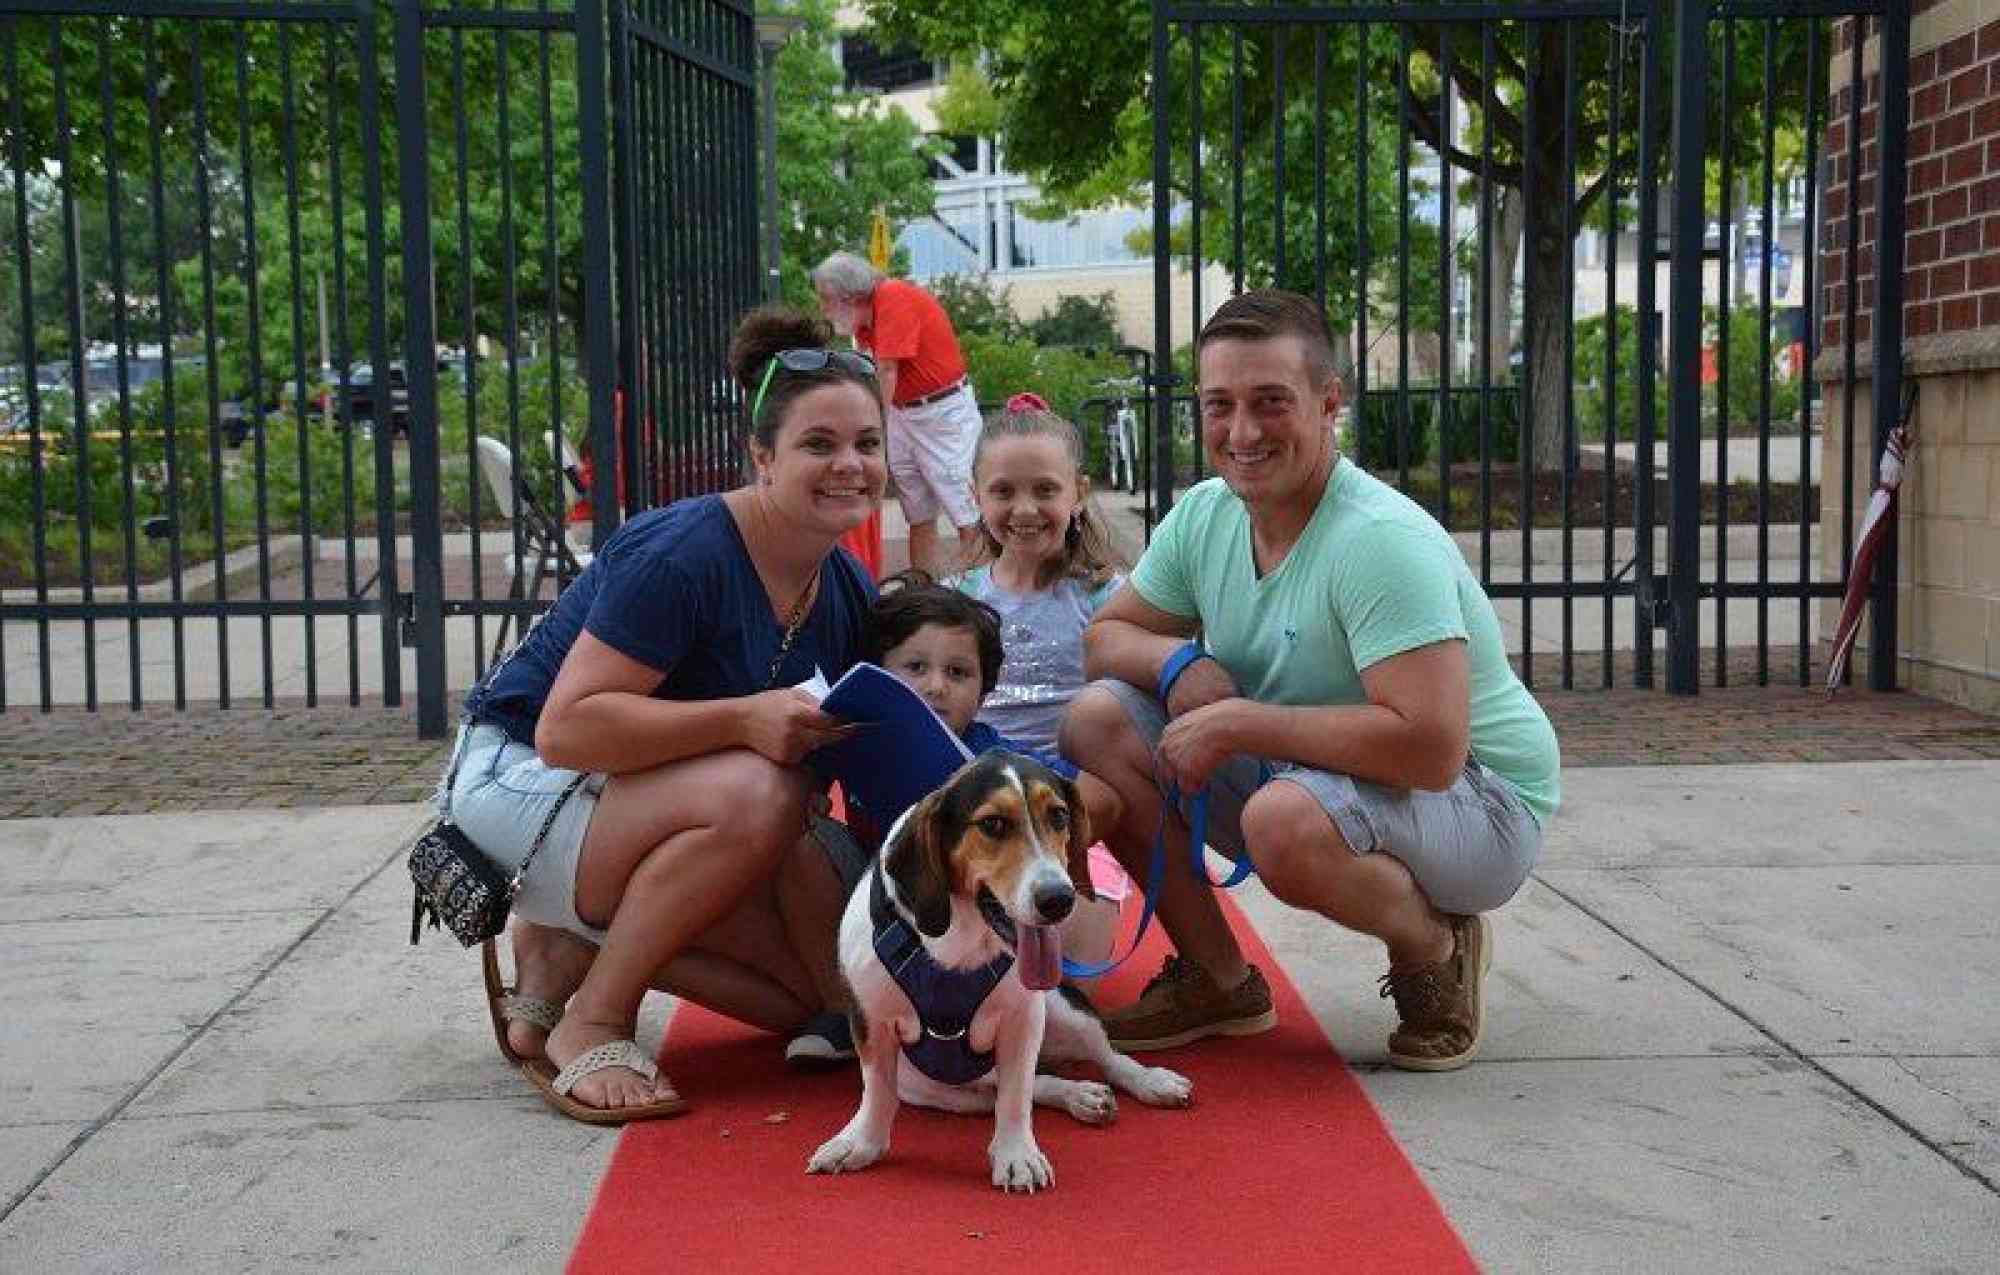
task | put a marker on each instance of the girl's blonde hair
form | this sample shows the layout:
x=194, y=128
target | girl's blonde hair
x=1088, y=552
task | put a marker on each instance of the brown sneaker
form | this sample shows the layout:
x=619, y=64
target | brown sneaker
x=1441, y=1004
x=1183, y=1004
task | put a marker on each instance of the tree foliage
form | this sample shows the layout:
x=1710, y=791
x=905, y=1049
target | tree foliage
x=1536, y=109
x=257, y=135
x=841, y=156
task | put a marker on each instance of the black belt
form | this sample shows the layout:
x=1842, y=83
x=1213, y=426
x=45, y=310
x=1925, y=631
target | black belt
x=927, y=399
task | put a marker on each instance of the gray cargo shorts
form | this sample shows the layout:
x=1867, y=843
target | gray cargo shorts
x=1470, y=847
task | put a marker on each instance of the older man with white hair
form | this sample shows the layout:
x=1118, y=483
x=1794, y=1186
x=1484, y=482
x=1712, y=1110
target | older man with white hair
x=933, y=417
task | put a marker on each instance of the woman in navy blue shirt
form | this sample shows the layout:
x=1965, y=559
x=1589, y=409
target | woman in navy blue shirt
x=663, y=678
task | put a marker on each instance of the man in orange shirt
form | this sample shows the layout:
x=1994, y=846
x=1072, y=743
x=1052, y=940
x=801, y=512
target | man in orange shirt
x=933, y=417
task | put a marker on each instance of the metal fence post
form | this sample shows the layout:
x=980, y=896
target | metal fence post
x=420, y=363
x=389, y=576
x=1891, y=178
x=1163, y=318
x=599, y=361
x=624, y=201
x=1690, y=129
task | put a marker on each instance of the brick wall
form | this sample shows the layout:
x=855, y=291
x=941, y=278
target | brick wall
x=1948, y=546
x=1951, y=275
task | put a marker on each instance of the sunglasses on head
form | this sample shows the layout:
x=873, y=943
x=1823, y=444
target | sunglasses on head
x=811, y=360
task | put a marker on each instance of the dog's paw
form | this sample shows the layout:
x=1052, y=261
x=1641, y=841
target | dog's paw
x=845, y=1152
x=1158, y=1087
x=1091, y=1102
x=1021, y=1166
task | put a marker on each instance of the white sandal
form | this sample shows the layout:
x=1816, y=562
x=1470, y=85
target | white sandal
x=555, y=1086
x=504, y=1005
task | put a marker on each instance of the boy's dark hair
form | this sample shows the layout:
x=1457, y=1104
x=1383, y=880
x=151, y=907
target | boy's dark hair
x=1265, y=314
x=908, y=600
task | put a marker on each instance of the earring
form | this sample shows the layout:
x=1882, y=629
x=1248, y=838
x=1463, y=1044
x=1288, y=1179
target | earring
x=764, y=478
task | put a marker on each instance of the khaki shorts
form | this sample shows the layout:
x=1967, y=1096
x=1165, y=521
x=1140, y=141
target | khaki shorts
x=930, y=453
x=1470, y=847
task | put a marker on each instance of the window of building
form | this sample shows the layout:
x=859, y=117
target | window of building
x=946, y=245
x=1086, y=239
x=869, y=66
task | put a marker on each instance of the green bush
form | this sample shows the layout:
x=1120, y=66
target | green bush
x=1746, y=354
x=1746, y=360
x=1086, y=322
x=1066, y=378
x=1503, y=422
x=105, y=457
x=1378, y=421
x=975, y=307
x=1594, y=418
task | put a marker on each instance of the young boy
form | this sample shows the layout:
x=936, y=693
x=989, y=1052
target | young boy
x=945, y=645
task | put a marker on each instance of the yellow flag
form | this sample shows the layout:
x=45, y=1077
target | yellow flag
x=878, y=241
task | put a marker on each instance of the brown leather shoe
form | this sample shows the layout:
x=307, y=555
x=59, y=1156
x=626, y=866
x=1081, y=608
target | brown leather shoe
x=1442, y=1004
x=1183, y=1004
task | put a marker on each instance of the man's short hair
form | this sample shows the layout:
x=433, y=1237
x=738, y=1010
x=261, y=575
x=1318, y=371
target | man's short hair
x=845, y=275
x=1265, y=314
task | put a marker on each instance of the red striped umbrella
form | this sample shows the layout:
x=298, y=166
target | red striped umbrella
x=1875, y=526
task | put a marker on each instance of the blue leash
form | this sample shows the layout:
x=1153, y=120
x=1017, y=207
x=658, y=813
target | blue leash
x=1156, y=875
x=1156, y=869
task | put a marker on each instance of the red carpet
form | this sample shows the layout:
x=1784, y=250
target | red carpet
x=1281, y=1165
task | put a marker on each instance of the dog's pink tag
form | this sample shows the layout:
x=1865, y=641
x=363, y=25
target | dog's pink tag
x=1039, y=954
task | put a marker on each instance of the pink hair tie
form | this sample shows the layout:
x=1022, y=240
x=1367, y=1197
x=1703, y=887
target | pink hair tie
x=1027, y=402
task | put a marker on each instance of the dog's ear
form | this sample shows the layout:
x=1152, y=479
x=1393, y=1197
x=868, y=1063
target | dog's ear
x=1079, y=839
x=917, y=864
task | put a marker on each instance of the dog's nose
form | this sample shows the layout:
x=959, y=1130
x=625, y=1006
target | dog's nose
x=1053, y=900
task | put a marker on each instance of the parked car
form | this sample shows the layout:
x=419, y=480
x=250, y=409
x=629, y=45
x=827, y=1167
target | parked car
x=361, y=405
x=234, y=422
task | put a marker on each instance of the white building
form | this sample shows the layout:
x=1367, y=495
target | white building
x=981, y=226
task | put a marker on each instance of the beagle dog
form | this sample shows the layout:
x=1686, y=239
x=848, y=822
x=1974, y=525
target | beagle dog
x=951, y=950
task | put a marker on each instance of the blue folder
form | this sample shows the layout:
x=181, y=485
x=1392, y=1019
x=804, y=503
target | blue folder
x=902, y=752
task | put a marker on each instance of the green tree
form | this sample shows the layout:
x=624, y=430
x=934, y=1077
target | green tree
x=976, y=306
x=1073, y=98
x=280, y=109
x=1067, y=87
x=1084, y=322
x=841, y=156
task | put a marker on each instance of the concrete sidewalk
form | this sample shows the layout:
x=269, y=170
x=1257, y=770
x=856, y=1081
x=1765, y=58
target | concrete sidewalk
x=1741, y=1019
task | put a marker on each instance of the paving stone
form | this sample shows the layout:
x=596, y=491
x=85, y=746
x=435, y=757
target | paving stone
x=76, y=762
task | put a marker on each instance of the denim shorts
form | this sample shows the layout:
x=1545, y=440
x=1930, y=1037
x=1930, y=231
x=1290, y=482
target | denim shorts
x=504, y=792
x=1470, y=847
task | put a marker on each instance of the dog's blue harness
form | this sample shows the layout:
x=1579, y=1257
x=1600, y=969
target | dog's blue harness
x=945, y=999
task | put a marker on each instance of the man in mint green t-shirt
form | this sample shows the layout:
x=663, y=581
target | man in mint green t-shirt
x=1307, y=646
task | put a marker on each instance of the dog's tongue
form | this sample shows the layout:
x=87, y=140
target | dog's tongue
x=1038, y=949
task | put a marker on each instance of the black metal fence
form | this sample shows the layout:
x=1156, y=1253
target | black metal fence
x=314, y=317
x=1551, y=236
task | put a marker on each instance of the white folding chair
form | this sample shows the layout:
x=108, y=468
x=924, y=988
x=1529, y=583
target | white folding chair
x=541, y=534
x=570, y=462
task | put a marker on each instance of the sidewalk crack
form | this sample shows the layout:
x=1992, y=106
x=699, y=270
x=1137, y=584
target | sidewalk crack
x=94, y=1127
x=1941, y=1150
